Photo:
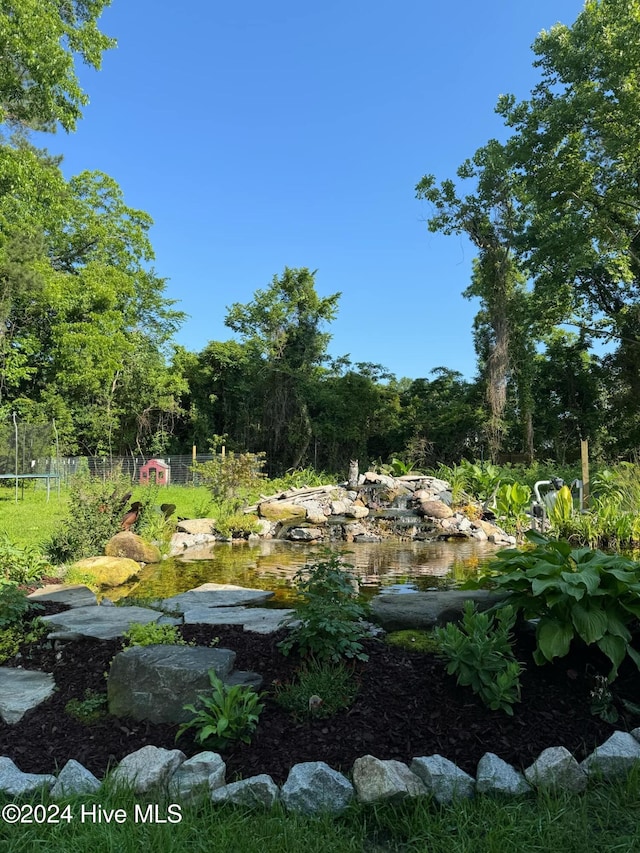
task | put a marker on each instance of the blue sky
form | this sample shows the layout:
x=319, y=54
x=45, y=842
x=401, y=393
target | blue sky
x=263, y=135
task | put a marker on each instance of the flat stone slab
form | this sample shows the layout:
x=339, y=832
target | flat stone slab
x=258, y=619
x=426, y=609
x=74, y=595
x=101, y=623
x=21, y=690
x=215, y=595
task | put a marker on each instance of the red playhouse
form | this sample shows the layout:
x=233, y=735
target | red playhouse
x=155, y=469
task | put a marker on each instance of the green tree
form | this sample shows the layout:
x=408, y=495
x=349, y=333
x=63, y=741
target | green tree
x=574, y=149
x=490, y=218
x=41, y=41
x=281, y=327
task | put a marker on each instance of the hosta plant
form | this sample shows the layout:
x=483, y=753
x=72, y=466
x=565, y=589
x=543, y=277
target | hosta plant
x=479, y=653
x=575, y=594
x=226, y=714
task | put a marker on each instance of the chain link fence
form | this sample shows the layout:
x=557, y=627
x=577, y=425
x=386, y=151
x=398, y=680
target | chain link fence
x=180, y=468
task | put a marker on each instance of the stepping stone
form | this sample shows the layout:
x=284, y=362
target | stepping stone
x=101, y=623
x=74, y=595
x=21, y=690
x=215, y=595
x=258, y=619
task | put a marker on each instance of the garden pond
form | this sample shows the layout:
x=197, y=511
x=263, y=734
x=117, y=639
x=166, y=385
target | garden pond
x=391, y=566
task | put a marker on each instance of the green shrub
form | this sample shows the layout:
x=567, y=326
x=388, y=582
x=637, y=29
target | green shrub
x=480, y=655
x=226, y=714
x=15, y=629
x=14, y=604
x=331, y=626
x=232, y=475
x=96, y=509
x=319, y=690
x=153, y=634
x=576, y=594
x=20, y=563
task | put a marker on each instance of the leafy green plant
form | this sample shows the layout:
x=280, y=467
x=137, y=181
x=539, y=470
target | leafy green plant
x=14, y=604
x=457, y=477
x=331, y=617
x=480, y=655
x=576, y=594
x=512, y=501
x=232, y=475
x=602, y=704
x=319, y=690
x=226, y=714
x=21, y=563
x=483, y=478
x=415, y=640
x=152, y=634
x=96, y=508
x=88, y=710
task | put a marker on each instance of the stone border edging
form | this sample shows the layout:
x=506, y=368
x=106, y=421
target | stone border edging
x=313, y=787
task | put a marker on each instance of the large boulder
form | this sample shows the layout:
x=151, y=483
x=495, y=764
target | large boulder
x=281, y=510
x=103, y=572
x=156, y=682
x=435, y=509
x=425, y=610
x=132, y=546
x=197, y=525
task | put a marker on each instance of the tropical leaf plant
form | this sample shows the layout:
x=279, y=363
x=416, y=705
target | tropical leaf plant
x=512, y=501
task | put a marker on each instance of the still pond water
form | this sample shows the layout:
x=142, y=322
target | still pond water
x=393, y=565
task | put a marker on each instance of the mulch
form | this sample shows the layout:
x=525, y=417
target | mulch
x=407, y=706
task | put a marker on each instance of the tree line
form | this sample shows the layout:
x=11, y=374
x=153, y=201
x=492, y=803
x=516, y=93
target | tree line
x=86, y=330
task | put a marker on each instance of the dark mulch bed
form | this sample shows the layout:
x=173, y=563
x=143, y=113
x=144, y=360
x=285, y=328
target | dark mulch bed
x=407, y=706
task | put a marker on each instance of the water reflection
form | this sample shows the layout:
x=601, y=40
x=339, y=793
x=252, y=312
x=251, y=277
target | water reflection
x=400, y=566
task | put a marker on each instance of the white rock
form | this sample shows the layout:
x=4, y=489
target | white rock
x=147, y=768
x=313, y=787
x=376, y=780
x=555, y=767
x=204, y=772
x=615, y=757
x=74, y=779
x=443, y=778
x=495, y=776
x=255, y=791
x=15, y=783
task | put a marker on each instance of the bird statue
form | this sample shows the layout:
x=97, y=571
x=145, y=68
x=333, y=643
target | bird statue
x=131, y=516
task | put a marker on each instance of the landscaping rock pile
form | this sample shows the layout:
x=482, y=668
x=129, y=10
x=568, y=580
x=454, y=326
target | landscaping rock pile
x=313, y=787
x=380, y=506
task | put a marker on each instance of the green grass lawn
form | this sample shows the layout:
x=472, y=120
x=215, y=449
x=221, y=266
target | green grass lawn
x=606, y=818
x=32, y=519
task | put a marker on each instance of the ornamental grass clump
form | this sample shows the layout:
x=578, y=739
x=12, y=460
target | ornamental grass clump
x=331, y=617
x=479, y=653
x=575, y=594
